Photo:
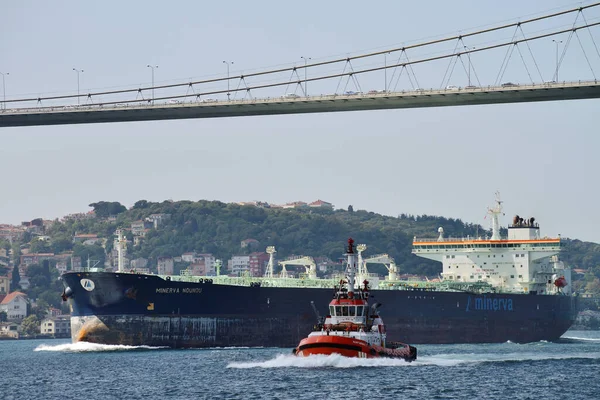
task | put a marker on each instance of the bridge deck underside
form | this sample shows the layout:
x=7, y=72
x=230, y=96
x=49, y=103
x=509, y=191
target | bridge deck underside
x=381, y=101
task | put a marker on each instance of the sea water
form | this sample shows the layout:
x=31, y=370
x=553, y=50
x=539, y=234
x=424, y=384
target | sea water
x=58, y=369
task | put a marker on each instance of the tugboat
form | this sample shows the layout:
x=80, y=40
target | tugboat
x=352, y=328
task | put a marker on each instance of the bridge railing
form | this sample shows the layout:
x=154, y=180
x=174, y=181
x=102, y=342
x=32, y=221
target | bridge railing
x=147, y=104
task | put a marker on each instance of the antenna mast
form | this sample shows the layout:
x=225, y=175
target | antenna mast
x=494, y=213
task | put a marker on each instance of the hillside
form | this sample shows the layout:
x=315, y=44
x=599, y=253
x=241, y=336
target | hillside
x=218, y=228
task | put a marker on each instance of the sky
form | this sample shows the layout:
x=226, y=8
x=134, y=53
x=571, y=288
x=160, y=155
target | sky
x=541, y=157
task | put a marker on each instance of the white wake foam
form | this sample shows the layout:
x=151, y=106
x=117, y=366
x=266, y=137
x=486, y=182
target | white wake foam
x=597, y=340
x=441, y=360
x=83, y=347
x=320, y=361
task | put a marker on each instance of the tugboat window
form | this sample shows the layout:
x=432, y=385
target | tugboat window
x=332, y=310
x=352, y=311
x=344, y=311
x=338, y=311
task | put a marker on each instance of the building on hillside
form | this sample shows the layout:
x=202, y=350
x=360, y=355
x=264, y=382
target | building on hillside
x=188, y=257
x=58, y=327
x=158, y=219
x=76, y=264
x=139, y=263
x=9, y=329
x=53, y=312
x=197, y=268
x=321, y=204
x=257, y=263
x=11, y=232
x=238, y=265
x=250, y=243
x=209, y=262
x=261, y=204
x=62, y=266
x=86, y=238
x=62, y=261
x=165, y=265
x=15, y=305
x=23, y=279
x=79, y=216
x=35, y=258
x=325, y=264
x=295, y=204
x=4, y=285
x=140, y=228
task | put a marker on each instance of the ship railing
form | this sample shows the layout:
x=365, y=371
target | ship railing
x=452, y=239
x=479, y=287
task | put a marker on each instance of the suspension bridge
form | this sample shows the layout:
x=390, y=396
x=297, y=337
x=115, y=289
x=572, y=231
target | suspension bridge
x=342, y=82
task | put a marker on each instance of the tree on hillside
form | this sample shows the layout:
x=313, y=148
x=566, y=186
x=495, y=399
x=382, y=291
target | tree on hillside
x=40, y=310
x=61, y=243
x=16, y=278
x=31, y=325
x=104, y=209
x=140, y=204
x=39, y=246
x=5, y=244
x=91, y=252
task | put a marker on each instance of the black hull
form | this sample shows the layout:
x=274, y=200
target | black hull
x=147, y=310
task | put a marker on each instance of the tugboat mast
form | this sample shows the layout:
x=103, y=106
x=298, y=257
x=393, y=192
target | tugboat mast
x=351, y=267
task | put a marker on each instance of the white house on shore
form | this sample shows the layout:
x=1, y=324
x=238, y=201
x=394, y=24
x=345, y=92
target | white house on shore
x=15, y=305
x=59, y=326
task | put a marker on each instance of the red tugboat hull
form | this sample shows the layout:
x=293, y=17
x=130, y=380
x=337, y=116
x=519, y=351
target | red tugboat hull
x=350, y=347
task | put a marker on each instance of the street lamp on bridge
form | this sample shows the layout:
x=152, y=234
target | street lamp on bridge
x=556, y=73
x=230, y=62
x=305, y=81
x=4, y=87
x=152, y=66
x=78, y=71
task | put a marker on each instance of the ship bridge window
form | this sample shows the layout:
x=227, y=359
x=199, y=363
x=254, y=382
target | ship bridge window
x=338, y=311
x=332, y=310
x=351, y=311
x=360, y=311
x=344, y=311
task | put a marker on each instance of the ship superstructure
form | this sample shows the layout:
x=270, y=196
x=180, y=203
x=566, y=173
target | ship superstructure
x=521, y=262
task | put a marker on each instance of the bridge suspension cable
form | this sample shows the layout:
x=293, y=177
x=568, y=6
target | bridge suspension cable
x=351, y=73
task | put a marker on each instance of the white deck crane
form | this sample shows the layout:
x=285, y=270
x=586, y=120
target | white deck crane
x=271, y=251
x=386, y=260
x=305, y=261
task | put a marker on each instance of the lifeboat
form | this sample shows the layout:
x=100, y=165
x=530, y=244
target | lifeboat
x=352, y=328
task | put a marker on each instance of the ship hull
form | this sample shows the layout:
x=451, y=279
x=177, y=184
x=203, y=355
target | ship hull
x=148, y=310
x=350, y=347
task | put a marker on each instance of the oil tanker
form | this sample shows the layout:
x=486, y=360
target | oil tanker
x=491, y=289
